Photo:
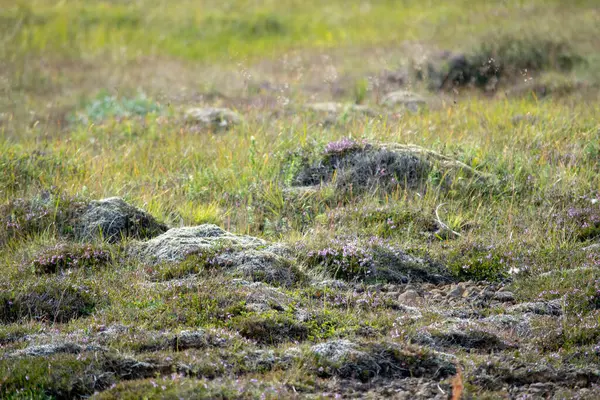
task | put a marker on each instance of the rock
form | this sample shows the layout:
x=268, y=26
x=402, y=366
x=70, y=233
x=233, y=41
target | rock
x=411, y=298
x=504, y=297
x=211, y=117
x=410, y=100
x=178, y=243
x=113, y=219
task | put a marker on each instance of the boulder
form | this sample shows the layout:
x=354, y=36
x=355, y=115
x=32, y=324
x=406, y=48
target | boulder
x=113, y=219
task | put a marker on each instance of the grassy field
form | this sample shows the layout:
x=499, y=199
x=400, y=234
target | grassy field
x=443, y=246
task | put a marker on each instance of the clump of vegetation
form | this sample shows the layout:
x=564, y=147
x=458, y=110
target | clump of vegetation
x=349, y=261
x=47, y=213
x=47, y=301
x=508, y=57
x=467, y=226
x=491, y=262
x=371, y=260
x=106, y=107
x=193, y=264
x=361, y=167
x=270, y=328
x=23, y=171
x=65, y=256
x=365, y=361
x=181, y=387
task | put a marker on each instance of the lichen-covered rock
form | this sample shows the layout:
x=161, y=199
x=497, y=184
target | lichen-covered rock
x=113, y=219
x=178, y=243
x=212, y=117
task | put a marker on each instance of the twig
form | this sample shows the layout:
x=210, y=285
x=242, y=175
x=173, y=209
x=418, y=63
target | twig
x=443, y=225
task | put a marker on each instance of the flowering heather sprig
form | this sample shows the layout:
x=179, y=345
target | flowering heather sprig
x=342, y=145
x=344, y=260
x=62, y=257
